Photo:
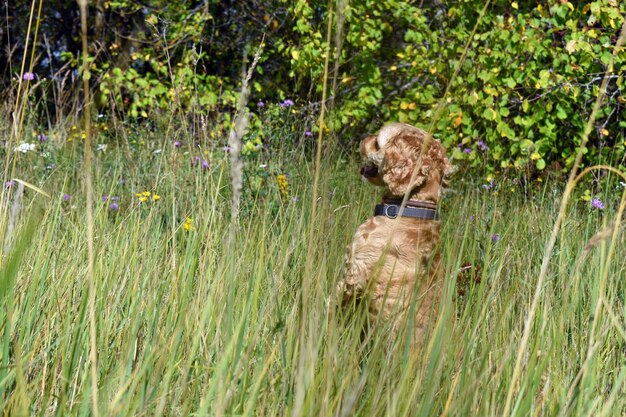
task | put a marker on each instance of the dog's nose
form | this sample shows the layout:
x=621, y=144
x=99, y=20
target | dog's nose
x=369, y=171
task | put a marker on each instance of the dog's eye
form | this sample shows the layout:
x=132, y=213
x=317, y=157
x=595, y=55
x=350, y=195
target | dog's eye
x=371, y=139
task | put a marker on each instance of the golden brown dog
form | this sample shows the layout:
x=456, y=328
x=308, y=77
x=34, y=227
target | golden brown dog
x=393, y=261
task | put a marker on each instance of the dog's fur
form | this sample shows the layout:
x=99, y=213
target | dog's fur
x=393, y=264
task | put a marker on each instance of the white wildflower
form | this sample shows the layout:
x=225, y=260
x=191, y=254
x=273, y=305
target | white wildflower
x=25, y=147
x=102, y=147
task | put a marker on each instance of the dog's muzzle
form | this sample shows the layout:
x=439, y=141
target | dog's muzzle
x=369, y=171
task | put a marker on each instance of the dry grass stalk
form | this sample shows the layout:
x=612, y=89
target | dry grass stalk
x=235, y=142
x=14, y=212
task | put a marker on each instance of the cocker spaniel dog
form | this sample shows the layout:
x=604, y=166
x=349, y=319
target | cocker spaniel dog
x=393, y=261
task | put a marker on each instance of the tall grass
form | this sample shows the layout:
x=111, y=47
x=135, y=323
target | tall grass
x=184, y=323
x=180, y=331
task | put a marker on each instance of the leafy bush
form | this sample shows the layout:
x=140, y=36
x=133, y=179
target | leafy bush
x=521, y=97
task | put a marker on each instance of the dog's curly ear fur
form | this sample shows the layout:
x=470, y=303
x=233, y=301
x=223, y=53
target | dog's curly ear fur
x=447, y=170
x=401, y=156
x=401, y=153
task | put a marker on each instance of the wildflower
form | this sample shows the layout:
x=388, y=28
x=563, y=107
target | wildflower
x=122, y=181
x=495, y=237
x=188, y=224
x=295, y=199
x=205, y=164
x=155, y=197
x=66, y=197
x=308, y=133
x=472, y=218
x=597, y=204
x=467, y=151
x=28, y=76
x=283, y=184
x=260, y=104
x=490, y=183
x=114, y=206
x=482, y=146
x=42, y=137
x=25, y=147
x=143, y=196
x=9, y=184
x=227, y=148
x=177, y=144
x=287, y=103
x=102, y=147
x=105, y=198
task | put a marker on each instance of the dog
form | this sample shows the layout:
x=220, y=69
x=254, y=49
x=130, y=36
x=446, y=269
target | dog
x=393, y=262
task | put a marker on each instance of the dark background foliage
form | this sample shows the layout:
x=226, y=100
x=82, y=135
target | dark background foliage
x=521, y=98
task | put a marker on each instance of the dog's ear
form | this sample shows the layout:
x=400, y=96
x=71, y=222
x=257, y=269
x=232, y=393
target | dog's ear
x=446, y=172
x=400, y=159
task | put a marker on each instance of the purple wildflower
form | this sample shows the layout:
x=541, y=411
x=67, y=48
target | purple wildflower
x=105, y=198
x=597, y=204
x=42, y=137
x=114, y=206
x=287, y=103
x=66, y=197
x=28, y=76
x=295, y=199
x=260, y=104
x=205, y=164
x=177, y=144
x=9, y=184
x=495, y=237
x=482, y=146
x=308, y=133
x=467, y=151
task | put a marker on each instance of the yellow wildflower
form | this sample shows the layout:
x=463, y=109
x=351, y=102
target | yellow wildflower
x=188, y=224
x=155, y=197
x=283, y=184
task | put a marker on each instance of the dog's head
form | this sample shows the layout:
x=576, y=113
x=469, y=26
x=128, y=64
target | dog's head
x=392, y=156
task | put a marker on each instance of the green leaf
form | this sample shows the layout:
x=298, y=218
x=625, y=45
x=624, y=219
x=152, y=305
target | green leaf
x=540, y=164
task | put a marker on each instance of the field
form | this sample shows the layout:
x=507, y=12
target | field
x=188, y=321
x=136, y=280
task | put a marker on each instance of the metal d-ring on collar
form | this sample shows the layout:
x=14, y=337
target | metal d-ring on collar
x=391, y=211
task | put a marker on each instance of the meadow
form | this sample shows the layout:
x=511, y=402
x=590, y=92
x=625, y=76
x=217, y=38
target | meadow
x=135, y=280
x=190, y=322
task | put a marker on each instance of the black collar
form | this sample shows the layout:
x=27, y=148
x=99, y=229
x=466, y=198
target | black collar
x=391, y=211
